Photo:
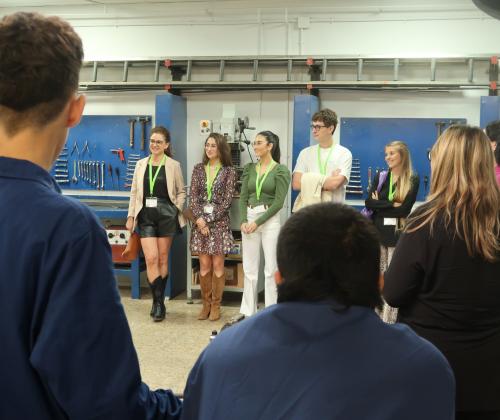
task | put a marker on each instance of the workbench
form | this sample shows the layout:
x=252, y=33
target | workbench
x=115, y=213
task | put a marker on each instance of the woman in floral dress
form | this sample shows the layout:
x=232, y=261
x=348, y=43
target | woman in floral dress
x=211, y=195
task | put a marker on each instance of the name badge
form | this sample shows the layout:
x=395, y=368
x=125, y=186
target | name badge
x=208, y=209
x=390, y=221
x=259, y=209
x=151, y=202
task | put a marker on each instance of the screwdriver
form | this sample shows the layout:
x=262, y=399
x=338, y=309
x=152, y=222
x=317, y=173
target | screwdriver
x=110, y=171
x=117, y=172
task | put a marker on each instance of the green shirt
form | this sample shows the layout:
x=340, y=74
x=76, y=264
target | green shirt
x=273, y=194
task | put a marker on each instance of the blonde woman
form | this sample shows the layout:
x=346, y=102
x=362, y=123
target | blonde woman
x=156, y=200
x=445, y=273
x=392, y=203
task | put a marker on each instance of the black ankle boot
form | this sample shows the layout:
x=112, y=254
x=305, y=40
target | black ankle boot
x=153, y=296
x=162, y=300
x=158, y=289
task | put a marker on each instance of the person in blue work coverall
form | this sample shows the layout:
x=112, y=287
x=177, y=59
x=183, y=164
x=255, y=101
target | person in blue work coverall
x=65, y=346
x=322, y=352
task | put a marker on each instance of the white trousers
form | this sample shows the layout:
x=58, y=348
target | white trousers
x=266, y=235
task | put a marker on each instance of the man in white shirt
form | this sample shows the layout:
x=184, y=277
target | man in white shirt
x=326, y=158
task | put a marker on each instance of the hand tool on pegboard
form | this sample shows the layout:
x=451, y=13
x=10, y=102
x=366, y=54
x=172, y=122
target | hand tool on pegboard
x=74, y=179
x=86, y=148
x=98, y=173
x=369, y=179
x=120, y=152
x=110, y=171
x=117, y=172
x=440, y=125
x=92, y=171
x=97, y=181
x=131, y=123
x=103, y=165
x=75, y=149
x=144, y=121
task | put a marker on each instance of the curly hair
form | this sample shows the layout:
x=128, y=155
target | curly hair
x=40, y=61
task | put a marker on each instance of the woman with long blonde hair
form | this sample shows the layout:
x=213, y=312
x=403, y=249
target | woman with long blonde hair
x=391, y=199
x=445, y=273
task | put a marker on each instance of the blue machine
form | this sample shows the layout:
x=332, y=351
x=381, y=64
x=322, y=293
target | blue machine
x=366, y=138
x=106, y=139
x=304, y=107
x=490, y=110
x=171, y=112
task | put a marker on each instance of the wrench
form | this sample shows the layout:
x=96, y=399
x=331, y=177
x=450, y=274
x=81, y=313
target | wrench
x=74, y=179
x=103, y=165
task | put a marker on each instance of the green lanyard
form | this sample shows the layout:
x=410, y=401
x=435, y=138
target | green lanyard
x=210, y=181
x=152, y=179
x=391, y=192
x=322, y=167
x=258, y=185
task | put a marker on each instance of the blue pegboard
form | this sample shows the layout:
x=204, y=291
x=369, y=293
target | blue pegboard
x=490, y=110
x=366, y=138
x=304, y=107
x=103, y=133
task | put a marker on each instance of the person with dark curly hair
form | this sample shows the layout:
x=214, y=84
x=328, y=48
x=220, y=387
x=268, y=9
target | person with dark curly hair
x=322, y=352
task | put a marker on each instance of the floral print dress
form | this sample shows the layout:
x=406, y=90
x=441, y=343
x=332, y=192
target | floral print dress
x=220, y=239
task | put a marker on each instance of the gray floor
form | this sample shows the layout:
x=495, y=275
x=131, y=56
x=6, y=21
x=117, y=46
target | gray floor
x=167, y=350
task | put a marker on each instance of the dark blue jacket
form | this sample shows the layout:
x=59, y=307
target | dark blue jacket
x=307, y=361
x=65, y=344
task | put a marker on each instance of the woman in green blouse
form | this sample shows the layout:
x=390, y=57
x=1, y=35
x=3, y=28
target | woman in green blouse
x=263, y=191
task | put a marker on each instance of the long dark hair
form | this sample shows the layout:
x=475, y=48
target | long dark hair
x=222, y=148
x=273, y=139
x=165, y=133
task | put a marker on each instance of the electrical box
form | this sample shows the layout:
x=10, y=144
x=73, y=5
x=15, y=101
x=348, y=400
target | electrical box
x=118, y=237
x=205, y=127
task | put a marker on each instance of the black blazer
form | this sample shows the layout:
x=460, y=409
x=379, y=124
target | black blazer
x=452, y=300
x=383, y=208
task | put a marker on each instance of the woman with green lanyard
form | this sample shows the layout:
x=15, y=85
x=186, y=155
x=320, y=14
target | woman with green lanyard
x=210, y=198
x=392, y=203
x=263, y=191
x=156, y=200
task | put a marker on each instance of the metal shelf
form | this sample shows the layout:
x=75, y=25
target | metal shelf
x=205, y=74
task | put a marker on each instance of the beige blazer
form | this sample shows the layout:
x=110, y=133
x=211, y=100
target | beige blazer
x=311, y=191
x=175, y=186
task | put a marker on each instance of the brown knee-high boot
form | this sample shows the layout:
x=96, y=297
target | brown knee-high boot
x=217, y=290
x=206, y=294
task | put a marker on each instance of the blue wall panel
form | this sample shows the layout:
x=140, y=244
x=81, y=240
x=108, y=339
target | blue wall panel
x=171, y=112
x=490, y=110
x=366, y=138
x=304, y=107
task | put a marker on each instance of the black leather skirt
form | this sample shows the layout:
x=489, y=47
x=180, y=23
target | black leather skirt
x=160, y=221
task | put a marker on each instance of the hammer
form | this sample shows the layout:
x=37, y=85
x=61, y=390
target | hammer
x=131, y=123
x=144, y=121
x=439, y=125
